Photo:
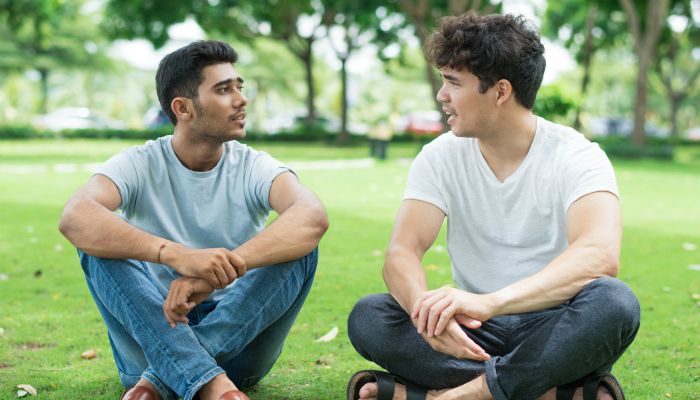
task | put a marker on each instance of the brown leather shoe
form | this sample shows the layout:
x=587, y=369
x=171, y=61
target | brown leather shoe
x=233, y=395
x=141, y=393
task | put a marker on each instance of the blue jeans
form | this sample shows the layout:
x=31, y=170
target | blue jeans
x=530, y=353
x=241, y=335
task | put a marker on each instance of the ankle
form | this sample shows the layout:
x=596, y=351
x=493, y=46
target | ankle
x=213, y=389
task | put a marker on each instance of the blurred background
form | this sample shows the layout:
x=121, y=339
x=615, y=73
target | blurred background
x=626, y=70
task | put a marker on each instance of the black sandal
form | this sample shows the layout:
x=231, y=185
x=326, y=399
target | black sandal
x=590, y=384
x=385, y=385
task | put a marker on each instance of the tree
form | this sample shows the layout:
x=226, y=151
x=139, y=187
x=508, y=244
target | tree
x=48, y=34
x=355, y=24
x=646, y=20
x=584, y=27
x=297, y=24
x=674, y=65
x=289, y=21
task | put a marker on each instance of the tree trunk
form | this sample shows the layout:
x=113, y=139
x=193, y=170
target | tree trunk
x=587, y=56
x=640, y=102
x=44, y=81
x=343, y=135
x=676, y=99
x=310, y=91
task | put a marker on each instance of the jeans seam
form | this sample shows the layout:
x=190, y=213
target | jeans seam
x=153, y=338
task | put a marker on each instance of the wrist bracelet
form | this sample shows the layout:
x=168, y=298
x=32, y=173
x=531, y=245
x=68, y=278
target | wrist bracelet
x=160, y=250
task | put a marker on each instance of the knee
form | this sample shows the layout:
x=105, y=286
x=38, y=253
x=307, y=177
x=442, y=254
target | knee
x=617, y=302
x=363, y=319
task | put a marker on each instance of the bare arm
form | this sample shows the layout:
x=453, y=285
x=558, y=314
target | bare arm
x=298, y=229
x=301, y=223
x=89, y=222
x=416, y=228
x=417, y=225
x=594, y=232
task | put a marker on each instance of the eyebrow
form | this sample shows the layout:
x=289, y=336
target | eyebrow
x=225, y=82
x=450, y=78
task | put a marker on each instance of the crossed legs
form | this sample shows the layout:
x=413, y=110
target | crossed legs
x=241, y=335
x=531, y=353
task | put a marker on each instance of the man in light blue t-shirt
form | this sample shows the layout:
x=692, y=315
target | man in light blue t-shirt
x=197, y=294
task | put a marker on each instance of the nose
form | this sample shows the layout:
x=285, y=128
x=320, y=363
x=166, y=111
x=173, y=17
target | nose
x=239, y=100
x=442, y=95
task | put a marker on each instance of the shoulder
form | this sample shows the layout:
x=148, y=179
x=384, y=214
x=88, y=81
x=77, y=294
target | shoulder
x=149, y=150
x=566, y=143
x=445, y=146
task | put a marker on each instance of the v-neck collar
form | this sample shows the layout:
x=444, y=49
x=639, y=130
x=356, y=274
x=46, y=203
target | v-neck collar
x=488, y=172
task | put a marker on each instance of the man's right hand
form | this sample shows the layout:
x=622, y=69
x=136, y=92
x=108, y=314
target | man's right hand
x=219, y=267
x=454, y=342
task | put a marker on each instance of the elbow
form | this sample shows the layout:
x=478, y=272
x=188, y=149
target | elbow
x=607, y=261
x=64, y=225
x=392, y=254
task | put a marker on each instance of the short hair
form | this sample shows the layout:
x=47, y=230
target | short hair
x=492, y=47
x=180, y=72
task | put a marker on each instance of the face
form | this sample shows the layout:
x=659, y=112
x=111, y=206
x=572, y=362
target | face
x=220, y=105
x=470, y=112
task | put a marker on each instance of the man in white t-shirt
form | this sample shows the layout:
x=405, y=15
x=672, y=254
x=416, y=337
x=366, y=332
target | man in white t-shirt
x=197, y=293
x=533, y=235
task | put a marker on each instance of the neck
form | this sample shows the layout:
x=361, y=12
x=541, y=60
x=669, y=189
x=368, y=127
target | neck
x=506, y=149
x=196, y=155
x=512, y=138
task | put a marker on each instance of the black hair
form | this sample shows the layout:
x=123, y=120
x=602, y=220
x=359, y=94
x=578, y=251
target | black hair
x=492, y=47
x=180, y=72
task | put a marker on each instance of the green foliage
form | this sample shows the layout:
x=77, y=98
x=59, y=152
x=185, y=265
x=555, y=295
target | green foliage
x=553, y=103
x=622, y=147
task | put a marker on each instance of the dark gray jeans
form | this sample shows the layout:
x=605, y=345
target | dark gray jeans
x=530, y=353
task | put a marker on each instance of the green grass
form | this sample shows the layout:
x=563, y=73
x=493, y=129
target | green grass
x=49, y=318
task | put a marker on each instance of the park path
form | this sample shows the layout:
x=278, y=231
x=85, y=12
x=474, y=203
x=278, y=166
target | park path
x=69, y=168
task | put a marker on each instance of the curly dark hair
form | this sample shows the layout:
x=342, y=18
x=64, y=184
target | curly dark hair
x=180, y=72
x=492, y=47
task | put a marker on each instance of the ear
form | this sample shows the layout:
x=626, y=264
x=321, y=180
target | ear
x=183, y=108
x=504, y=91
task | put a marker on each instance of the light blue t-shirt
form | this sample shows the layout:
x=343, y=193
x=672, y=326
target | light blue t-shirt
x=223, y=207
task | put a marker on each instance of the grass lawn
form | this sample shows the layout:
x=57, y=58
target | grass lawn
x=47, y=317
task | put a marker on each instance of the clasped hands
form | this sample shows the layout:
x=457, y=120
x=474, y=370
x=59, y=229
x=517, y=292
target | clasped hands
x=202, y=270
x=438, y=314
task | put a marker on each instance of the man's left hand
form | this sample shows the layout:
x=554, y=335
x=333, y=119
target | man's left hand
x=185, y=293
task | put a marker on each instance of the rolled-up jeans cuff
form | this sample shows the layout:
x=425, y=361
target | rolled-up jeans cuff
x=492, y=380
x=189, y=395
x=163, y=390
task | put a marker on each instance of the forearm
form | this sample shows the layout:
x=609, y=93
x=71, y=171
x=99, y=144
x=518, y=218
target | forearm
x=559, y=281
x=295, y=233
x=404, y=276
x=98, y=231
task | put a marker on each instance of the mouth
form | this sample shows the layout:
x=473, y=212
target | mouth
x=239, y=117
x=450, y=115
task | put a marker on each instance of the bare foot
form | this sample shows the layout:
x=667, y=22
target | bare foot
x=369, y=392
x=216, y=387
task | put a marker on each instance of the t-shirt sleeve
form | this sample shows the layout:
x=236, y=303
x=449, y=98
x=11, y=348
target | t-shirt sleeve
x=120, y=169
x=263, y=171
x=587, y=170
x=424, y=183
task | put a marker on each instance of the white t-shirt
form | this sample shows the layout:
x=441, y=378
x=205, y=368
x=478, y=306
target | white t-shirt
x=501, y=232
x=223, y=207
